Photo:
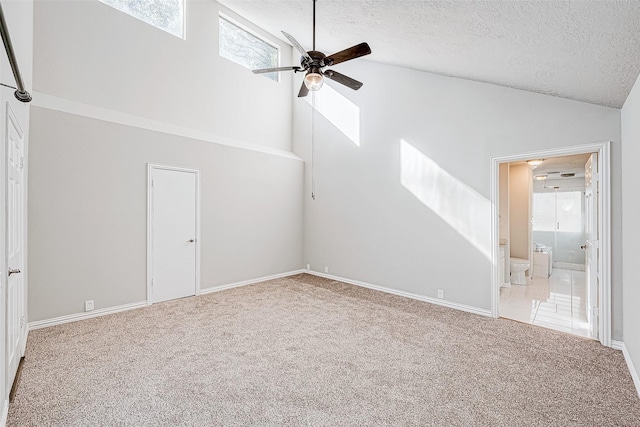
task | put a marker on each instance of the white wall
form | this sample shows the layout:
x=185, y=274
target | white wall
x=91, y=53
x=365, y=225
x=87, y=211
x=519, y=210
x=87, y=192
x=631, y=224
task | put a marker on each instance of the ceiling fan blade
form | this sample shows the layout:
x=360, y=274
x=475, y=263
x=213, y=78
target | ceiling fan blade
x=297, y=45
x=342, y=79
x=304, y=91
x=273, y=70
x=353, y=52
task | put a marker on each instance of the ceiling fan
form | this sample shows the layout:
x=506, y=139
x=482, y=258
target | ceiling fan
x=313, y=62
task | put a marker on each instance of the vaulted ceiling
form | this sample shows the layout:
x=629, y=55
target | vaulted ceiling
x=583, y=50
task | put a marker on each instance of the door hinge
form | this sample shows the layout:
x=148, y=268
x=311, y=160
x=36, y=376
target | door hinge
x=21, y=322
x=152, y=283
x=595, y=244
x=595, y=176
x=21, y=162
x=595, y=311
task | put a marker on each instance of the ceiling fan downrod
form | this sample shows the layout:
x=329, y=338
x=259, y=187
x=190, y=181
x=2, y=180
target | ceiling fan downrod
x=314, y=24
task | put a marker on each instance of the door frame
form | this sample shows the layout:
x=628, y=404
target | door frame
x=604, y=225
x=4, y=368
x=150, y=168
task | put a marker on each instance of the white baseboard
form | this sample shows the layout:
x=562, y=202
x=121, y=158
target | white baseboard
x=82, y=316
x=619, y=345
x=111, y=310
x=437, y=301
x=616, y=345
x=249, y=282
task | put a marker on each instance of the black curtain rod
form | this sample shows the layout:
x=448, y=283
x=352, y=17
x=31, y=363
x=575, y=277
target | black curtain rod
x=20, y=93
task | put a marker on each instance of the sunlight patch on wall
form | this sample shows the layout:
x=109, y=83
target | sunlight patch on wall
x=342, y=113
x=464, y=209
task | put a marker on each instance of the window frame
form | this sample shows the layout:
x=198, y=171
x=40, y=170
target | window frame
x=183, y=31
x=256, y=34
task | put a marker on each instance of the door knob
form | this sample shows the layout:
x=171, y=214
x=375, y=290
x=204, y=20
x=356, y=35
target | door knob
x=14, y=271
x=583, y=247
x=191, y=240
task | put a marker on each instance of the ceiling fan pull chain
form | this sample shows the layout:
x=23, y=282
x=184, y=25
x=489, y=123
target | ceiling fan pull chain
x=314, y=24
x=313, y=143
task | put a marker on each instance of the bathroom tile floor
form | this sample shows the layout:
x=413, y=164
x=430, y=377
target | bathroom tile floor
x=559, y=302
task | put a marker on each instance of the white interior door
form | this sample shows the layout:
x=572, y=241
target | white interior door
x=592, y=246
x=174, y=232
x=15, y=320
x=4, y=396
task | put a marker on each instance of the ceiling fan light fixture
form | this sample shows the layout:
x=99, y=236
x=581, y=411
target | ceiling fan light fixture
x=313, y=62
x=313, y=80
x=535, y=162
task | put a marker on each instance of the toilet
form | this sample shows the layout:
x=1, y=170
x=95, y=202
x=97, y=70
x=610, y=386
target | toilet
x=518, y=267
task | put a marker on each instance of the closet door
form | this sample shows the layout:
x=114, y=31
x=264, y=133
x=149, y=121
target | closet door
x=15, y=293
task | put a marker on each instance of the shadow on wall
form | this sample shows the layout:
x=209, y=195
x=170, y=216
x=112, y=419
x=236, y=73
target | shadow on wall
x=335, y=107
x=464, y=209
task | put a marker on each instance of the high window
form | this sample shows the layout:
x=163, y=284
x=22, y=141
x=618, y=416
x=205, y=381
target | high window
x=243, y=47
x=168, y=15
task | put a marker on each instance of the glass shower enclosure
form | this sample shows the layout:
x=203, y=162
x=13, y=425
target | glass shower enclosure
x=558, y=222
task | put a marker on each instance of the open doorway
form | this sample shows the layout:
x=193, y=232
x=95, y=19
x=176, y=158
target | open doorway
x=551, y=243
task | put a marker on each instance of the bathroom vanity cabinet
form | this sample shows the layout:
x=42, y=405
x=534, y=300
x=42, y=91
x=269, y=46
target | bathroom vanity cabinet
x=542, y=262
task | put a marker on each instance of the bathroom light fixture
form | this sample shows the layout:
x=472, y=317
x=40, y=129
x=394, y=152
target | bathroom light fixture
x=540, y=177
x=535, y=162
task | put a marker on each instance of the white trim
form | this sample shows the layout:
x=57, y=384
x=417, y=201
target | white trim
x=250, y=282
x=5, y=413
x=39, y=324
x=150, y=168
x=111, y=310
x=55, y=103
x=437, y=301
x=618, y=345
x=604, y=224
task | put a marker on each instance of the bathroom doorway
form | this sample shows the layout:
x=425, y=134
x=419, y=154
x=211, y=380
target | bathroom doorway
x=550, y=241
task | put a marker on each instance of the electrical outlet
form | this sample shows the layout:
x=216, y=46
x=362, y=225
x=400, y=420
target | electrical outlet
x=326, y=269
x=88, y=305
x=308, y=266
x=440, y=293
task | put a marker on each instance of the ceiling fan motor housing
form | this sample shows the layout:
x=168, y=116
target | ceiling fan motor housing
x=317, y=60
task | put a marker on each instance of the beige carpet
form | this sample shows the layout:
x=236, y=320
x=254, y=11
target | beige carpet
x=309, y=351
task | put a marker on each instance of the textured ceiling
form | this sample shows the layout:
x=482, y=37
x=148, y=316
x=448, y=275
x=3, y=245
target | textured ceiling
x=583, y=50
